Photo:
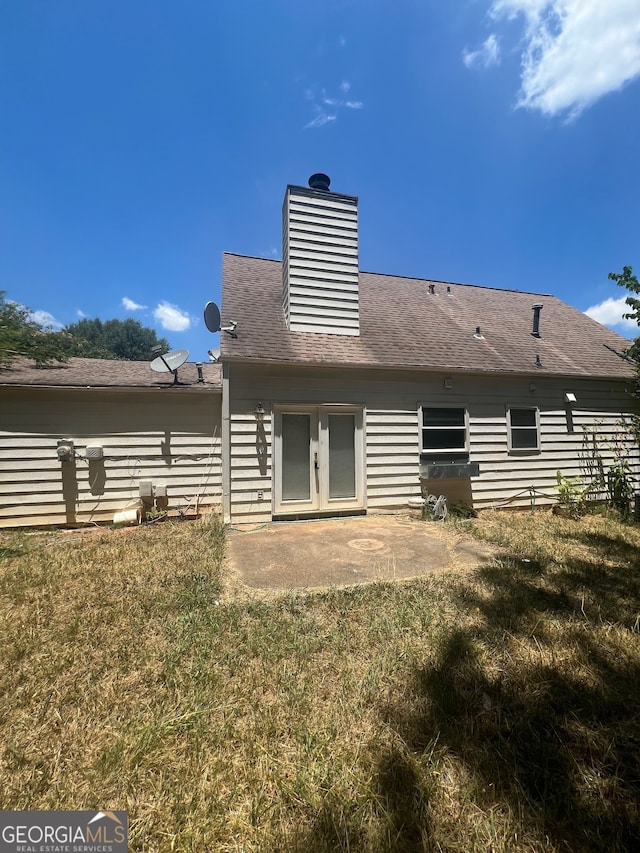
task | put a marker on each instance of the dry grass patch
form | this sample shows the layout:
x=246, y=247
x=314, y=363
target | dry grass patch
x=494, y=710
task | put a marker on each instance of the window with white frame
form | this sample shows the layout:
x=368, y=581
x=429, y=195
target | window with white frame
x=445, y=432
x=524, y=429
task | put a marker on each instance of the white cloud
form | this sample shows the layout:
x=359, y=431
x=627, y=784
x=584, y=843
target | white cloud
x=609, y=312
x=575, y=51
x=320, y=119
x=80, y=314
x=171, y=317
x=339, y=102
x=46, y=320
x=485, y=56
x=333, y=103
x=130, y=305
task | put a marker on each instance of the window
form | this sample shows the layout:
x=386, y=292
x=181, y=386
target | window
x=444, y=432
x=524, y=429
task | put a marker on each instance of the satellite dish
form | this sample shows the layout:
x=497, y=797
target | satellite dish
x=212, y=317
x=213, y=323
x=170, y=362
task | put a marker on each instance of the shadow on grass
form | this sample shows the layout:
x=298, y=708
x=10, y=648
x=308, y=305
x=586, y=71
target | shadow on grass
x=402, y=814
x=608, y=545
x=538, y=698
x=405, y=800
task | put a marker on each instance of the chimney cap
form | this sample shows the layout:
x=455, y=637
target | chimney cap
x=320, y=181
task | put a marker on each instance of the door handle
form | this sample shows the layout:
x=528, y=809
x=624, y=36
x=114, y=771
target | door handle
x=315, y=461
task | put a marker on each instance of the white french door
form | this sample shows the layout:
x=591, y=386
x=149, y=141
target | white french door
x=318, y=459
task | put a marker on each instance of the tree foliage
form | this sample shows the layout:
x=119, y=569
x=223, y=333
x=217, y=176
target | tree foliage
x=21, y=335
x=630, y=282
x=123, y=339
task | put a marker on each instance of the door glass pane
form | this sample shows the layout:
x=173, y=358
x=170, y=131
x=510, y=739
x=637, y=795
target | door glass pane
x=342, y=456
x=296, y=442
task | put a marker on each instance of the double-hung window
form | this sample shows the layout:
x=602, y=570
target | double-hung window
x=444, y=433
x=524, y=429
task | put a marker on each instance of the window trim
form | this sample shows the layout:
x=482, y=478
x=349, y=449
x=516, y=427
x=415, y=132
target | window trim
x=444, y=454
x=524, y=451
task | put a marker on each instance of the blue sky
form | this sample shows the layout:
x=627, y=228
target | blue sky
x=492, y=142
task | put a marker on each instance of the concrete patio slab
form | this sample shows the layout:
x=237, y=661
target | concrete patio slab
x=344, y=551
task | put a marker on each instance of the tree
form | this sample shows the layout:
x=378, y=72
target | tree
x=630, y=281
x=20, y=335
x=121, y=339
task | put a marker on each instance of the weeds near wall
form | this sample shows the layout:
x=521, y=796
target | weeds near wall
x=607, y=468
x=572, y=494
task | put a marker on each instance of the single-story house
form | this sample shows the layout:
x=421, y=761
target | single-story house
x=81, y=441
x=338, y=391
x=341, y=387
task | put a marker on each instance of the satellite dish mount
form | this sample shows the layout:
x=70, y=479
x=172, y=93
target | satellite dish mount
x=212, y=320
x=170, y=362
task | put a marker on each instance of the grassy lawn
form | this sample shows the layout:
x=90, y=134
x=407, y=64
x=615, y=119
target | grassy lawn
x=494, y=710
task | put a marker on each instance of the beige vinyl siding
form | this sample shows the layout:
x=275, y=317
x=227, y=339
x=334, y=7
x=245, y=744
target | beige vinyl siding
x=170, y=438
x=392, y=453
x=508, y=478
x=250, y=469
x=320, y=262
x=392, y=400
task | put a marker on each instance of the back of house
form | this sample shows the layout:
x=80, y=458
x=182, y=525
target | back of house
x=349, y=392
x=338, y=391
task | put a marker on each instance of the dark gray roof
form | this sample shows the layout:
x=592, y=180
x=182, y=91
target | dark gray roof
x=108, y=373
x=403, y=325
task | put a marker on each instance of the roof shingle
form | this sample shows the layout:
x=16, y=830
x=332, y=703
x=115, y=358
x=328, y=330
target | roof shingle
x=108, y=373
x=404, y=325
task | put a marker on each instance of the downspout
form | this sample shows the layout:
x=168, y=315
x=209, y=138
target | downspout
x=226, y=444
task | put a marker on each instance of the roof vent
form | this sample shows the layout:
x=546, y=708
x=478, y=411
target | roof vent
x=320, y=182
x=432, y=289
x=478, y=334
x=536, y=320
